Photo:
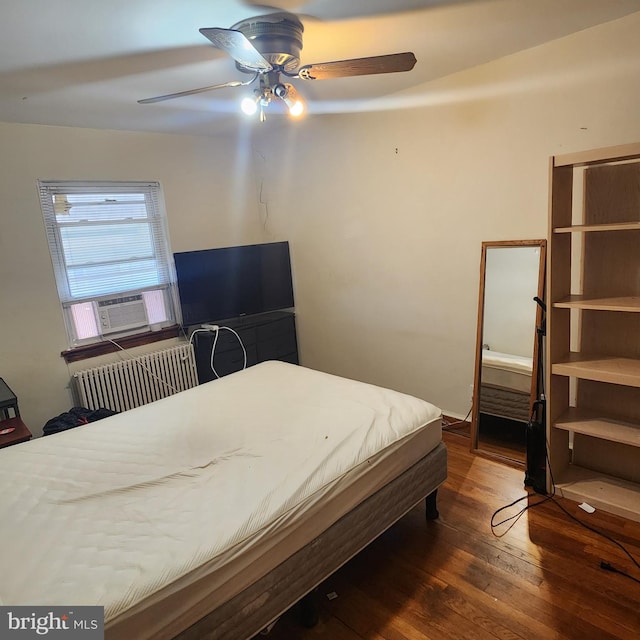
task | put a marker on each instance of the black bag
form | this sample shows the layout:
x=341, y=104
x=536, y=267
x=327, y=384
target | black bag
x=74, y=418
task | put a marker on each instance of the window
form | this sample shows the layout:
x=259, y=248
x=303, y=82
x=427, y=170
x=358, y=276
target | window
x=111, y=257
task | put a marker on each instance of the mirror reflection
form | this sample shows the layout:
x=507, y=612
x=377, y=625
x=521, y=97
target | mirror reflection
x=512, y=274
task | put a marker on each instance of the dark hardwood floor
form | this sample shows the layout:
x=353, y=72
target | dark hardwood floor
x=454, y=579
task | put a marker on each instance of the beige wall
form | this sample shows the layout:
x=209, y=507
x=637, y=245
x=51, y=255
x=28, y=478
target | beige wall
x=385, y=211
x=206, y=208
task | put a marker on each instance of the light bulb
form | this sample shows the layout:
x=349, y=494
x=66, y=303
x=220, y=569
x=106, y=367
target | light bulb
x=296, y=109
x=289, y=96
x=249, y=106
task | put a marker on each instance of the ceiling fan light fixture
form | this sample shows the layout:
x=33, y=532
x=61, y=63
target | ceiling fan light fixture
x=269, y=46
x=249, y=105
x=290, y=97
x=296, y=109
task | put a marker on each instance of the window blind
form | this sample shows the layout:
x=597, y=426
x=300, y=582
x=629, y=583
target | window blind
x=109, y=242
x=105, y=238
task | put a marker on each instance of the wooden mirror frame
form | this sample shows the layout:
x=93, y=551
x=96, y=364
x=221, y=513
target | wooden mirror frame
x=475, y=408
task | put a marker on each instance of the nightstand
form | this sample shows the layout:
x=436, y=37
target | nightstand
x=8, y=401
x=20, y=434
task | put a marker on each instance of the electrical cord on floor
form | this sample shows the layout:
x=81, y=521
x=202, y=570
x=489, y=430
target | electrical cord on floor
x=607, y=567
x=451, y=426
x=552, y=498
x=594, y=530
x=514, y=518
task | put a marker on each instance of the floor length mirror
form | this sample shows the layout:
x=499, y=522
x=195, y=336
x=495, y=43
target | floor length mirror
x=506, y=366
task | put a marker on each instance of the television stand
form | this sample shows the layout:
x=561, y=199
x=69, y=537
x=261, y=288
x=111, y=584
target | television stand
x=266, y=336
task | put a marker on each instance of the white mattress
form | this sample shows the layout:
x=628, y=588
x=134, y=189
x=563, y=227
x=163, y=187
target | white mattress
x=506, y=370
x=507, y=361
x=113, y=512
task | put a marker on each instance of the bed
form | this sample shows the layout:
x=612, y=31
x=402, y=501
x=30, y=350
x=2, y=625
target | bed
x=209, y=513
x=505, y=385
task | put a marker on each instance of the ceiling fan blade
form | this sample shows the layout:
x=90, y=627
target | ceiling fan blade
x=391, y=63
x=354, y=9
x=290, y=6
x=191, y=92
x=238, y=47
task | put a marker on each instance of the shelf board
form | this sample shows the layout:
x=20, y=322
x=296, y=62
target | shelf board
x=611, y=369
x=620, y=303
x=604, y=155
x=600, y=491
x=596, y=425
x=611, y=226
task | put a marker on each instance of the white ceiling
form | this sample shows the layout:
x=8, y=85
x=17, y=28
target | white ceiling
x=85, y=63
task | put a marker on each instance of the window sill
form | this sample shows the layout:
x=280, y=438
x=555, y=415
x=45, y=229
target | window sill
x=127, y=342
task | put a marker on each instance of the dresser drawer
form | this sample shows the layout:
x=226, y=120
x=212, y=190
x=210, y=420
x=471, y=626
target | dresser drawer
x=228, y=362
x=265, y=337
x=277, y=347
x=228, y=341
x=270, y=330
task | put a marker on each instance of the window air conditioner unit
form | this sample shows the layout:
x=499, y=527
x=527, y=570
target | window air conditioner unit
x=121, y=314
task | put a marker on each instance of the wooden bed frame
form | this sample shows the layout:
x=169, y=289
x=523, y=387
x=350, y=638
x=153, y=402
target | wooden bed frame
x=264, y=601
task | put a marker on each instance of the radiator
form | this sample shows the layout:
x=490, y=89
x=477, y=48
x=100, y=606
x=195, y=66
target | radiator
x=136, y=381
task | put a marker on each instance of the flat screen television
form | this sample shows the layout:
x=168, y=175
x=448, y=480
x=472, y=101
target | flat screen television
x=218, y=284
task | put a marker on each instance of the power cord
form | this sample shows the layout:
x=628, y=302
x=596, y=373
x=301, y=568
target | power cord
x=142, y=366
x=213, y=348
x=451, y=426
x=208, y=328
x=514, y=518
x=196, y=331
x=593, y=529
x=552, y=498
x=607, y=567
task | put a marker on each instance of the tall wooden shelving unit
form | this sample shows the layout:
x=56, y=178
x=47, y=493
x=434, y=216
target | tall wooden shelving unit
x=593, y=329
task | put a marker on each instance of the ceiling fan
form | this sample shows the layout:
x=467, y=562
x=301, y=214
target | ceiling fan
x=268, y=47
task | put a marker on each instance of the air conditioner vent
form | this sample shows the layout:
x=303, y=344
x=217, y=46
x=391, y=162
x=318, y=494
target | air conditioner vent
x=120, y=314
